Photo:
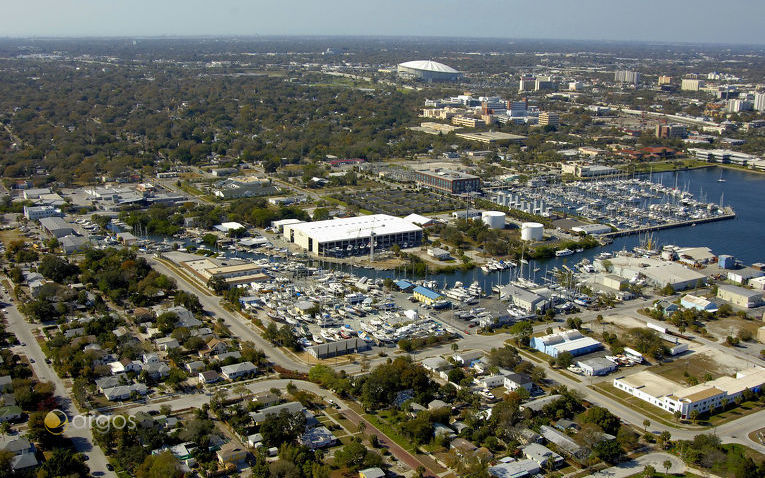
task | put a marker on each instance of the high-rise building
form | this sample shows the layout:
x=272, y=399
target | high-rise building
x=665, y=80
x=670, y=131
x=759, y=101
x=626, y=76
x=527, y=83
x=549, y=118
x=544, y=83
x=691, y=84
x=517, y=108
x=737, y=106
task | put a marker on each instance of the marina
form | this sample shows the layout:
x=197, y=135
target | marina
x=625, y=205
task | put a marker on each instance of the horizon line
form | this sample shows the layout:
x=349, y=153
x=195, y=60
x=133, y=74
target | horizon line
x=253, y=36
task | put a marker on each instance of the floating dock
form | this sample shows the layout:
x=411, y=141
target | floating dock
x=729, y=214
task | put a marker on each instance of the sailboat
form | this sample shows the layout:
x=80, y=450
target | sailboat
x=721, y=179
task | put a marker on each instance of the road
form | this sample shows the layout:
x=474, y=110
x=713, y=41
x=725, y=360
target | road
x=198, y=399
x=81, y=437
x=735, y=431
x=633, y=467
x=238, y=326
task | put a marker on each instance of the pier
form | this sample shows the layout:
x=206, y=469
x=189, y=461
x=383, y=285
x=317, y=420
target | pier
x=729, y=214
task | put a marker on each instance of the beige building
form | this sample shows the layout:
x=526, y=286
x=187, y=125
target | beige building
x=739, y=296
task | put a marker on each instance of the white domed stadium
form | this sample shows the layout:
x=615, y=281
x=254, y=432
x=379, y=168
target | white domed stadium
x=428, y=70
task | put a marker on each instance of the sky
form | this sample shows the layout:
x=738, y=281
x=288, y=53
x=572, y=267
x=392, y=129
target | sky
x=698, y=21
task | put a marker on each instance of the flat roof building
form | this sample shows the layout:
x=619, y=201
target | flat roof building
x=596, y=366
x=492, y=137
x=673, y=397
x=447, y=181
x=571, y=341
x=739, y=296
x=353, y=235
x=56, y=226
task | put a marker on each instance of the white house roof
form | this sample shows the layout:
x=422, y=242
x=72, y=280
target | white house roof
x=428, y=65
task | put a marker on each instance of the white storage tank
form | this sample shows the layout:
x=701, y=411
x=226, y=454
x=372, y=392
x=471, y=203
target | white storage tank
x=532, y=231
x=494, y=219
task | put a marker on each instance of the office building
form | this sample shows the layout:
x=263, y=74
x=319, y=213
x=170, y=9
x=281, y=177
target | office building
x=759, y=101
x=544, y=83
x=35, y=213
x=527, y=83
x=626, y=76
x=549, y=118
x=691, y=84
x=353, y=235
x=737, y=106
x=705, y=397
x=447, y=181
x=670, y=131
x=665, y=80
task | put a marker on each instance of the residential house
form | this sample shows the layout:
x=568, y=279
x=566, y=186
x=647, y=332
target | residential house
x=231, y=453
x=123, y=392
x=24, y=462
x=514, y=381
x=125, y=366
x=242, y=369
x=209, y=376
x=167, y=343
x=467, y=358
x=195, y=366
x=18, y=446
x=214, y=347
x=372, y=473
x=316, y=438
x=157, y=370
x=542, y=455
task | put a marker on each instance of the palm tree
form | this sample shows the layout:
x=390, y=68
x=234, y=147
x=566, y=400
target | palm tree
x=694, y=415
x=667, y=465
x=646, y=424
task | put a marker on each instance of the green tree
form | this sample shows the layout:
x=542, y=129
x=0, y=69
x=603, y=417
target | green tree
x=163, y=465
x=603, y=418
x=667, y=464
x=564, y=359
x=608, y=451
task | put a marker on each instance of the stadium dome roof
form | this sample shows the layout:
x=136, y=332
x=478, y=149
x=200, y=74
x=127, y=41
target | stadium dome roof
x=429, y=65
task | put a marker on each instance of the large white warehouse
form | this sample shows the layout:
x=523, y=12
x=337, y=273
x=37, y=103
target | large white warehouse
x=532, y=231
x=353, y=235
x=428, y=70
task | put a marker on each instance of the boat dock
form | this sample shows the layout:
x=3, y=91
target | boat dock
x=729, y=214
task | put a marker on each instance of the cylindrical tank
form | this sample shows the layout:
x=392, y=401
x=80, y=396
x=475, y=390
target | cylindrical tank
x=532, y=231
x=494, y=219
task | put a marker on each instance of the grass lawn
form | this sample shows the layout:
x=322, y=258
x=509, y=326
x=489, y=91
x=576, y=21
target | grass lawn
x=9, y=235
x=746, y=408
x=696, y=366
x=667, y=475
x=381, y=423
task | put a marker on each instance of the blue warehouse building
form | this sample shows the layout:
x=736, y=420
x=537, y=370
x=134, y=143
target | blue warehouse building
x=571, y=341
